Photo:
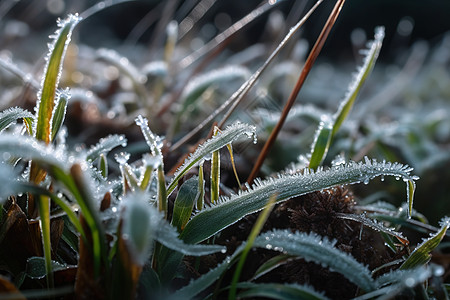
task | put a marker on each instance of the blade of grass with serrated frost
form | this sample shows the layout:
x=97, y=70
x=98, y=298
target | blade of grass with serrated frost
x=105, y=145
x=320, y=250
x=47, y=93
x=230, y=210
x=278, y=291
x=10, y=116
x=227, y=136
x=328, y=127
x=374, y=225
x=372, y=52
x=421, y=255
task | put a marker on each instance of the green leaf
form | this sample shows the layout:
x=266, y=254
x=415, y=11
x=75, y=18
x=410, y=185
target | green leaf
x=52, y=74
x=212, y=220
x=184, y=203
x=320, y=250
x=223, y=138
x=421, y=255
x=59, y=112
x=10, y=115
x=279, y=291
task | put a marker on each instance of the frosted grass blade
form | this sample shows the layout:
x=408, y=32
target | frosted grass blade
x=10, y=116
x=328, y=127
x=421, y=255
x=105, y=145
x=320, y=250
x=374, y=225
x=52, y=74
x=278, y=291
x=346, y=105
x=223, y=138
x=229, y=210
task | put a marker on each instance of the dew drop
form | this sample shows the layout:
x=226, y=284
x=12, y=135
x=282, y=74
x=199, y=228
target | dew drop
x=269, y=247
x=410, y=282
x=366, y=180
x=223, y=251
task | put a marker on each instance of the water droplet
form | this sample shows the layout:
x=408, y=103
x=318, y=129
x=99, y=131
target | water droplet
x=366, y=180
x=269, y=247
x=224, y=250
x=410, y=282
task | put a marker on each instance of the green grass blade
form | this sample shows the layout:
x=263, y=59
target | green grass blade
x=201, y=188
x=223, y=138
x=184, y=203
x=10, y=116
x=421, y=255
x=59, y=112
x=162, y=191
x=320, y=250
x=52, y=74
x=44, y=222
x=229, y=210
x=215, y=173
x=151, y=163
x=279, y=291
x=410, y=188
x=271, y=264
x=359, y=79
x=321, y=143
x=262, y=218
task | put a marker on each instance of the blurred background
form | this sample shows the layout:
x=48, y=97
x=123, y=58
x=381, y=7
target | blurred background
x=401, y=115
